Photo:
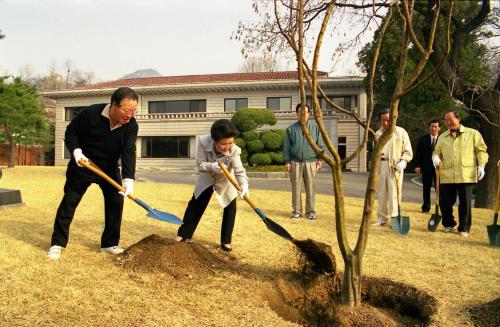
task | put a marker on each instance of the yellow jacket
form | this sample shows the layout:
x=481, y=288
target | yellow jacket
x=400, y=147
x=460, y=155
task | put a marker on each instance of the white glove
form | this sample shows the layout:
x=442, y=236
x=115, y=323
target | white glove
x=480, y=173
x=244, y=190
x=401, y=166
x=128, y=185
x=436, y=161
x=215, y=168
x=78, y=155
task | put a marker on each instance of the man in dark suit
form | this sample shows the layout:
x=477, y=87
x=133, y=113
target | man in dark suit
x=423, y=161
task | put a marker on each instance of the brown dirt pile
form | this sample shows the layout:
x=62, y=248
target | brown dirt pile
x=486, y=314
x=317, y=257
x=178, y=259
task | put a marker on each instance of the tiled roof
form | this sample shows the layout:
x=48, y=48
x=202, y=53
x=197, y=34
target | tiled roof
x=192, y=79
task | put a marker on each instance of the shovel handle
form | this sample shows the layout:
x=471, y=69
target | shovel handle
x=235, y=184
x=497, y=206
x=93, y=168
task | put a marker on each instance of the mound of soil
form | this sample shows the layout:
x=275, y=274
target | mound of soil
x=486, y=314
x=178, y=259
x=317, y=257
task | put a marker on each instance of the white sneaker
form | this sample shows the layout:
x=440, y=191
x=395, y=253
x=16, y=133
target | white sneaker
x=464, y=234
x=54, y=252
x=113, y=250
x=448, y=229
x=378, y=223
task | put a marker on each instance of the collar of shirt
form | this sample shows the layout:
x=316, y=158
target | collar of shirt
x=105, y=113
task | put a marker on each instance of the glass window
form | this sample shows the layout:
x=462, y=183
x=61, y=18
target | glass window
x=71, y=112
x=165, y=147
x=343, y=101
x=66, y=154
x=232, y=105
x=279, y=104
x=177, y=106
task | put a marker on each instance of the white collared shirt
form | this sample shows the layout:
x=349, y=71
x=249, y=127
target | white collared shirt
x=105, y=113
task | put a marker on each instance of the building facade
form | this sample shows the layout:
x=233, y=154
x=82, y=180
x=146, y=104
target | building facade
x=174, y=110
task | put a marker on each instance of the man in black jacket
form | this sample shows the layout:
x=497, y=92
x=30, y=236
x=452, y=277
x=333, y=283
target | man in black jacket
x=104, y=134
x=423, y=161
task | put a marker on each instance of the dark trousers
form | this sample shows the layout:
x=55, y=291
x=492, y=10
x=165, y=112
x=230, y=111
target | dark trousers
x=195, y=210
x=428, y=179
x=447, y=198
x=77, y=181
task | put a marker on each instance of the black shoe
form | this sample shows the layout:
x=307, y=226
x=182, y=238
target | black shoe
x=225, y=248
x=426, y=210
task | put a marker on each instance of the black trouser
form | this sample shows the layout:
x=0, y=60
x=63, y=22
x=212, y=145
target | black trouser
x=195, y=210
x=447, y=198
x=428, y=179
x=77, y=181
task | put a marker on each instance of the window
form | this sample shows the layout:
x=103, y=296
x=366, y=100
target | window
x=343, y=101
x=165, y=147
x=279, y=104
x=66, y=154
x=232, y=105
x=342, y=148
x=71, y=112
x=176, y=106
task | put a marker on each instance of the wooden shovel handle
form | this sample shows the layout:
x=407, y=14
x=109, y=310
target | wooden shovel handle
x=437, y=182
x=497, y=207
x=93, y=168
x=235, y=184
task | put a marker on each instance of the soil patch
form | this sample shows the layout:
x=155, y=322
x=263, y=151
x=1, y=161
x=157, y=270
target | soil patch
x=314, y=301
x=178, y=259
x=317, y=257
x=486, y=314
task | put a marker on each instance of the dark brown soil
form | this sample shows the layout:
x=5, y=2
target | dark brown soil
x=318, y=257
x=309, y=296
x=486, y=314
x=178, y=259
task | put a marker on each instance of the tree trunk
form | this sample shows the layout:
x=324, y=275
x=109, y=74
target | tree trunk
x=12, y=148
x=351, y=288
x=489, y=104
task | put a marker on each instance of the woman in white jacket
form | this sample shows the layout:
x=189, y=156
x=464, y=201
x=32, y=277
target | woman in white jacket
x=211, y=149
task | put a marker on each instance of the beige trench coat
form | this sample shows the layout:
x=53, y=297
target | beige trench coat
x=400, y=148
x=460, y=156
x=205, y=157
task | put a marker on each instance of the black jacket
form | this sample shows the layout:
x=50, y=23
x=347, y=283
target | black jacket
x=423, y=156
x=90, y=131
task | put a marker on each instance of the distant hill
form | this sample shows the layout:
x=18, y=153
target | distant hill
x=142, y=73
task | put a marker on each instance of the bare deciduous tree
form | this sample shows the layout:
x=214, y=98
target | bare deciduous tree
x=299, y=26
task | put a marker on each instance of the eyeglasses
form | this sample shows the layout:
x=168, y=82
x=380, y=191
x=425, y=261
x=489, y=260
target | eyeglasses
x=225, y=143
x=127, y=110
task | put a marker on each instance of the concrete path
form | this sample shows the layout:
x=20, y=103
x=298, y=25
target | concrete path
x=354, y=183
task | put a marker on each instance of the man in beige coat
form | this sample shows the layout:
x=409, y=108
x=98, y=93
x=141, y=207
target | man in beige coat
x=395, y=156
x=218, y=145
x=461, y=156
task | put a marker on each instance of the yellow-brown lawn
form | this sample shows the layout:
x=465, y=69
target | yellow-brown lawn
x=87, y=288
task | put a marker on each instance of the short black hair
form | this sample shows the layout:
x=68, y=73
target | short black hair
x=123, y=93
x=434, y=121
x=297, y=107
x=223, y=129
x=383, y=112
x=457, y=115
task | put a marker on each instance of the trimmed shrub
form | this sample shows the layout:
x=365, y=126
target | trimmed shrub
x=248, y=119
x=280, y=132
x=255, y=146
x=244, y=156
x=251, y=136
x=272, y=141
x=240, y=142
x=276, y=158
x=259, y=159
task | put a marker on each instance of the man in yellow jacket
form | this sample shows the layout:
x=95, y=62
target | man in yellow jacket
x=460, y=153
x=395, y=156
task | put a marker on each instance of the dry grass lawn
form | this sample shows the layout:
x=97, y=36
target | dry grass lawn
x=87, y=288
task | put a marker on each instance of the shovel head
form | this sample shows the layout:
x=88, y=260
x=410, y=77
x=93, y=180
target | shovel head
x=494, y=235
x=401, y=224
x=433, y=222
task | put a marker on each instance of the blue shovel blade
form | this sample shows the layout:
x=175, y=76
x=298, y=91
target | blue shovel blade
x=165, y=216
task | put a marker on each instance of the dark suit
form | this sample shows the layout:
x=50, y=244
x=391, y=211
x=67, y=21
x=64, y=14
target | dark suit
x=423, y=159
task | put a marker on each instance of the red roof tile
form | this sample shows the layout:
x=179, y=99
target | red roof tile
x=191, y=79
